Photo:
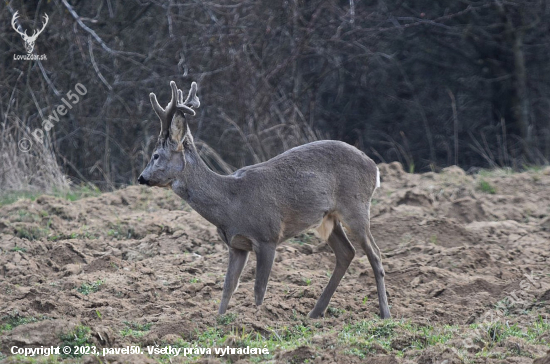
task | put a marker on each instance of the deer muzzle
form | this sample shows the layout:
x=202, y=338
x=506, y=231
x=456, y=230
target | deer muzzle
x=143, y=181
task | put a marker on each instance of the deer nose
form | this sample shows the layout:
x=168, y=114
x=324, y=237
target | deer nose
x=142, y=180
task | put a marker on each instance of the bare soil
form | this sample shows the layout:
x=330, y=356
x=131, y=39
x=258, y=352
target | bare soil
x=456, y=249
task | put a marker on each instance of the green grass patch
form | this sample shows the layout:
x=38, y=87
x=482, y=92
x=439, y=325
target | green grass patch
x=31, y=232
x=393, y=336
x=498, y=331
x=121, y=231
x=21, y=359
x=87, y=288
x=135, y=329
x=507, y=171
x=336, y=312
x=83, y=235
x=226, y=319
x=363, y=334
x=14, y=319
x=18, y=249
x=26, y=216
x=305, y=238
x=80, y=192
x=363, y=339
x=73, y=194
x=496, y=172
x=74, y=235
x=79, y=336
x=11, y=197
x=486, y=187
x=439, y=335
x=284, y=338
x=505, y=306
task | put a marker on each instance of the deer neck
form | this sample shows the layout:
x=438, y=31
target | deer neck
x=203, y=189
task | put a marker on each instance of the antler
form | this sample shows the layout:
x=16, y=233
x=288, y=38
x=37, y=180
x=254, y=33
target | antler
x=165, y=115
x=13, y=19
x=35, y=34
x=176, y=103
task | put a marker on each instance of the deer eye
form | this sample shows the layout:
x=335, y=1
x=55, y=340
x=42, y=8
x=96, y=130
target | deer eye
x=155, y=156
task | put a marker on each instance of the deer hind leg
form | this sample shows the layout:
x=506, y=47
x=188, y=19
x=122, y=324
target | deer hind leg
x=373, y=253
x=344, y=252
x=265, y=255
x=375, y=259
x=237, y=261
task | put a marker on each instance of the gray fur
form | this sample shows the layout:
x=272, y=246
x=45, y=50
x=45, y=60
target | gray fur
x=324, y=184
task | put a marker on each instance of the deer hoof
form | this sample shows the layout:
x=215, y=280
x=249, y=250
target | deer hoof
x=315, y=315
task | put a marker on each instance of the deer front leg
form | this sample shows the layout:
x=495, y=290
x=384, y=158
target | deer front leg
x=265, y=255
x=237, y=260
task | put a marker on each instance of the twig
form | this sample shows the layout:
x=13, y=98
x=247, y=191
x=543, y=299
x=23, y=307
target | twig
x=479, y=149
x=11, y=97
x=96, y=68
x=94, y=34
x=243, y=136
x=351, y=11
x=86, y=28
x=375, y=152
x=48, y=81
x=504, y=142
x=110, y=6
x=212, y=153
x=455, y=122
x=36, y=103
x=169, y=18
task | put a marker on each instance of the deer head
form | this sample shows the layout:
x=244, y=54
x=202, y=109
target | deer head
x=29, y=40
x=167, y=159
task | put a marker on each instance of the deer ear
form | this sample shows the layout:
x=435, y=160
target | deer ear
x=177, y=128
x=188, y=138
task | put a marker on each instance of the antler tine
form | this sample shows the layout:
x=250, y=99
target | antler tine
x=14, y=26
x=46, y=19
x=192, y=100
x=13, y=19
x=165, y=115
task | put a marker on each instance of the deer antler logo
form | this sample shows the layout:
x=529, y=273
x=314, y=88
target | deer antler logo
x=29, y=41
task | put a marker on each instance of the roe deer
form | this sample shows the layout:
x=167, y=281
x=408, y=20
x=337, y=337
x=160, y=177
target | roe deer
x=325, y=184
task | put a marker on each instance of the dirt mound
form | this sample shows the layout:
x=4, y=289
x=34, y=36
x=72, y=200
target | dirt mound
x=45, y=333
x=138, y=266
x=544, y=360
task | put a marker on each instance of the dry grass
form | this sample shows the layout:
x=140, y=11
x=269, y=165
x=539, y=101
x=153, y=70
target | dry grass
x=35, y=170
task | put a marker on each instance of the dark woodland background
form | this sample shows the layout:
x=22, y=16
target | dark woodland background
x=427, y=83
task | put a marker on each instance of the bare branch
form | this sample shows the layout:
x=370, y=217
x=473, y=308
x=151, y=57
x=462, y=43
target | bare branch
x=96, y=68
x=94, y=34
